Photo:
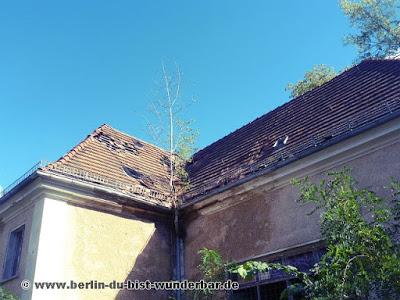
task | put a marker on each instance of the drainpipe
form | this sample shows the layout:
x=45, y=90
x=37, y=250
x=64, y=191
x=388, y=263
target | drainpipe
x=178, y=252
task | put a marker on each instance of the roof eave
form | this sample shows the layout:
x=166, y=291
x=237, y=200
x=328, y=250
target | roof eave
x=18, y=187
x=138, y=201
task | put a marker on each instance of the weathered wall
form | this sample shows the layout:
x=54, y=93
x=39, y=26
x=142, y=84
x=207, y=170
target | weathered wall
x=83, y=244
x=12, y=219
x=269, y=220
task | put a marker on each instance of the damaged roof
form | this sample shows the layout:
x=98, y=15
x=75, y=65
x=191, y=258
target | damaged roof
x=117, y=160
x=362, y=96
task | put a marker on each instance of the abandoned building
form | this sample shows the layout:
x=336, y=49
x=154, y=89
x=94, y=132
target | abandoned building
x=103, y=212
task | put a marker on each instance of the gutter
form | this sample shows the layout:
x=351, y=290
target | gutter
x=99, y=188
x=300, y=155
x=196, y=199
x=95, y=188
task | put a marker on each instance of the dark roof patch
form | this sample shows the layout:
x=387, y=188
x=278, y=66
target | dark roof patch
x=358, y=96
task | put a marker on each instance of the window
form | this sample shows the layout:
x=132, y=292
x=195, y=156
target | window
x=245, y=294
x=271, y=284
x=272, y=291
x=13, y=254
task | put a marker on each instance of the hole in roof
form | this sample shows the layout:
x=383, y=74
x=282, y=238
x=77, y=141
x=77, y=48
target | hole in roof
x=143, y=179
x=115, y=144
x=147, y=181
x=164, y=160
x=282, y=141
x=137, y=143
x=132, y=173
x=327, y=137
x=265, y=151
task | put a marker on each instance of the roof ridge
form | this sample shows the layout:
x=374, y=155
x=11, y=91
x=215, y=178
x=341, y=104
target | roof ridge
x=290, y=100
x=71, y=153
x=81, y=145
x=357, y=99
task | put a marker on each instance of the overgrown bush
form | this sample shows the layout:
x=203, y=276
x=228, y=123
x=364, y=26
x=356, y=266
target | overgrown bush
x=361, y=232
x=5, y=295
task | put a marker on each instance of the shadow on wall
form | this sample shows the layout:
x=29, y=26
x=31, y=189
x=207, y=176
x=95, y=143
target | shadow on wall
x=132, y=245
x=153, y=263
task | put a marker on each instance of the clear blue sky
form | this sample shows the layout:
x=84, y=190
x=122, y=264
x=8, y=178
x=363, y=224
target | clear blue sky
x=67, y=67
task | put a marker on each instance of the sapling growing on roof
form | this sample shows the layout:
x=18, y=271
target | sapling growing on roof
x=170, y=129
x=173, y=132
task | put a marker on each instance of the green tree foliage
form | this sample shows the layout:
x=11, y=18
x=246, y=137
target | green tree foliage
x=394, y=227
x=212, y=268
x=377, y=34
x=363, y=258
x=312, y=79
x=249, y=269
x=377, y=26
x=212, y=265
x=5, y=295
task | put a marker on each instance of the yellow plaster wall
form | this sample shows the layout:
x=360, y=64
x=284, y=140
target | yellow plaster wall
x=82, y=244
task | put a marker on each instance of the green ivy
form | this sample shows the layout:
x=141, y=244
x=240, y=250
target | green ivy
x=360, y=230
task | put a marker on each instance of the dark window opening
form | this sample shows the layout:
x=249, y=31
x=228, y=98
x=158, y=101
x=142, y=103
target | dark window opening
x=272, y=291
x=273, y=284
x=245, y=294
x=13, y=255
x=297, y=294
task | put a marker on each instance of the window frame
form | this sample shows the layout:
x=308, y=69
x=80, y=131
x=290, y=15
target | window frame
x=17, y=256
x=284, y=258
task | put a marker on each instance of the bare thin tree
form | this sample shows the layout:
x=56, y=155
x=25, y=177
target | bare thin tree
x=172, y=131
x=168, y=127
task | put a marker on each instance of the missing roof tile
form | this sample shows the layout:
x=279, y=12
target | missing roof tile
x=116, y=144
x=280, y=142
x=133, y=173
x=143, y=179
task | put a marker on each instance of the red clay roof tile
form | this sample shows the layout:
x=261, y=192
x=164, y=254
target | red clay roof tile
x=110, y=157
x=357, y=97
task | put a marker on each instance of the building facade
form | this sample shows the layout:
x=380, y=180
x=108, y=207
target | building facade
x=103, y=212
